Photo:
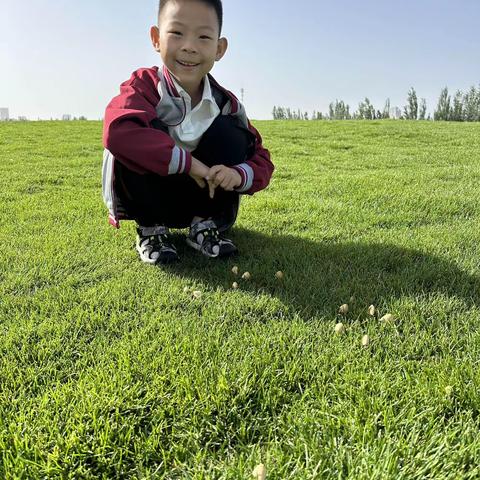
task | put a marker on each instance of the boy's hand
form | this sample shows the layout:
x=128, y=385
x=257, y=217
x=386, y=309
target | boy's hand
x=199, y=171
x=224, y=177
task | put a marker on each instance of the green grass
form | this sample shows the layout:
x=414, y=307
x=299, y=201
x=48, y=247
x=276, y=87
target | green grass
x=109, y=370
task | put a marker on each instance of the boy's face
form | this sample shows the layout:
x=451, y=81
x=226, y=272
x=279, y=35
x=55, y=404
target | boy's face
x=187, y=40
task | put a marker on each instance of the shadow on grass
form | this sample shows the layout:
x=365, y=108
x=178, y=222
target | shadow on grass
x=319, y=277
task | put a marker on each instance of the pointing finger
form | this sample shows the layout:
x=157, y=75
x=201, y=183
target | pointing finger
x=211, y=188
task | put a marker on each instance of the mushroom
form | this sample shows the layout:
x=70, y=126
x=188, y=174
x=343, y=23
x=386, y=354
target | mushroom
x=246, y=276
x=340, y=328
x=260, y=472
x=343, y=310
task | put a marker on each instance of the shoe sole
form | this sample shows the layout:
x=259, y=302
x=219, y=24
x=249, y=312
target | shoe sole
x=151, y=261
x=198, y=248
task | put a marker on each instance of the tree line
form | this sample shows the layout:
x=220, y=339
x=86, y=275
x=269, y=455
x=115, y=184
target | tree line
x=462, y=107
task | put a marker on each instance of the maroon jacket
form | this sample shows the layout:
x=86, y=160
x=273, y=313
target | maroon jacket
x=150, y=94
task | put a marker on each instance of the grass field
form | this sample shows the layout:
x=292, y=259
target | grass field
x=109, y=370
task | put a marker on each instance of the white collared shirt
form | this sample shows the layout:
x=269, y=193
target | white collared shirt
x=197, y=121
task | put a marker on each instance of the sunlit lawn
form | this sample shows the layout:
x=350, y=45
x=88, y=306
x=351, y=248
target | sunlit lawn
x=108, y=369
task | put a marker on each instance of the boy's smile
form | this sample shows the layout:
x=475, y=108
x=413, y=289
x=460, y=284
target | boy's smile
x=188, y=41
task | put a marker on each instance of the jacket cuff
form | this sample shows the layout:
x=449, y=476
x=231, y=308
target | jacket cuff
x=246, y=172
x=180, y=162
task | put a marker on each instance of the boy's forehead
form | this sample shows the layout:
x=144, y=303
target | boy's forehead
x=189, y=12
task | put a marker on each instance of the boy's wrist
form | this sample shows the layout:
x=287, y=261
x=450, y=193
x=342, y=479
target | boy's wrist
x=241, y=177
x=197, y=168
x=238, y=178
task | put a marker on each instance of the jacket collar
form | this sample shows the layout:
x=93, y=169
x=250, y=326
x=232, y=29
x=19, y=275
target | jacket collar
x=206, y=94
x=172, y=106
x=173, y=91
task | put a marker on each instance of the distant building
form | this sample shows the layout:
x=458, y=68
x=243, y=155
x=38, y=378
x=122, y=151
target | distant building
x=67, y=117
x=22, y=119
x=4, y=116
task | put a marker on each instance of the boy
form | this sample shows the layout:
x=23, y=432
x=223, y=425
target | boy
x=179, y=149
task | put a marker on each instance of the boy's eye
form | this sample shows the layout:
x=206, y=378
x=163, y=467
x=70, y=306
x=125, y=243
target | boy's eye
x=205, y=37
x=176, y=33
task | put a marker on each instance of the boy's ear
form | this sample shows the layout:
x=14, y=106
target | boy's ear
x=155, y=36
x=222, y=46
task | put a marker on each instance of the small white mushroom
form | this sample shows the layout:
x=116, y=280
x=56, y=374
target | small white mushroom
x=343, y=310
x=279, y=275
x=352, y=299
x=235, y=270
x=186, y=289
x=365, y=341
x=197, y=294
x=388, y=318
x=246, y=276
x=340, y=328
x=260, y=472
x=448, y=390
x=235, y=285
x=372, y=310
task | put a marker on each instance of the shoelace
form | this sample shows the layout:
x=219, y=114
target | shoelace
x=210, y=240
x=160, y=240
x=211, y=233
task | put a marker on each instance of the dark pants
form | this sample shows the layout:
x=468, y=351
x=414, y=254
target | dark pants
x=174, y=200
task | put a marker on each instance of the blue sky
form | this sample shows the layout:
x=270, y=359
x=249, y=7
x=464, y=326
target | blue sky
x=69, y=56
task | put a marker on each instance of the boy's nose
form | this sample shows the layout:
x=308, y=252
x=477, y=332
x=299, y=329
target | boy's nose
x=189, y=46
x=189, y=49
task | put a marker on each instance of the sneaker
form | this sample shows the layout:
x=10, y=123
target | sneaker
x=154, y=245
x=204, y=237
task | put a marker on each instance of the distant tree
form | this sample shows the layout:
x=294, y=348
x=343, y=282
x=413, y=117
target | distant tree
x=410, y=111
x=443, y=107
x=339, y=110
x=342, y=110
x=395, y=113
x=386, y=109
x=366, y=110
x=305, y=116
x=423, y=109
x=331, y=111
x=279, y=113
x=471, y=103
x=457, y=109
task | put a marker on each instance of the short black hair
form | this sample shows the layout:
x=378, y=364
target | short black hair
x=215, y=4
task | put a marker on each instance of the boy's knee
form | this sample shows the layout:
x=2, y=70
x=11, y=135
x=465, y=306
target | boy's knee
x=226, y=126
x=225, y=142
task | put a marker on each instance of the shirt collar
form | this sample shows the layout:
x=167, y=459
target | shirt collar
x=207, y=90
